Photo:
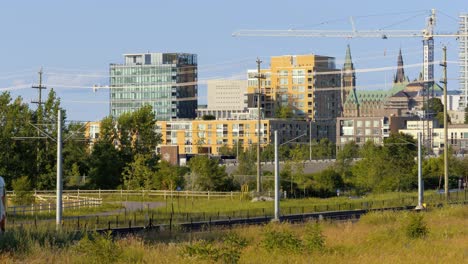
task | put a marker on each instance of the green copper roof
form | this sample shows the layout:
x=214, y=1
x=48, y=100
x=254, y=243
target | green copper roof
x=348, y=64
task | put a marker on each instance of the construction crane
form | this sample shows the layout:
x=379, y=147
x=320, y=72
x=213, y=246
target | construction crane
x=427, y=34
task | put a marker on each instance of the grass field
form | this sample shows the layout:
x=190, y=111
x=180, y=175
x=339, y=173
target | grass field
x=179, y=209
x=376, y=238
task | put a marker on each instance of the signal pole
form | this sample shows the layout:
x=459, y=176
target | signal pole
x=259, y=123
x=446, y=149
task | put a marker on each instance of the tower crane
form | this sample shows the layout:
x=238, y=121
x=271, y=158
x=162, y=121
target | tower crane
x=427, y=35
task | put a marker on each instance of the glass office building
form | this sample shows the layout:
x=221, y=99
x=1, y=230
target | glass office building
x=166, y=81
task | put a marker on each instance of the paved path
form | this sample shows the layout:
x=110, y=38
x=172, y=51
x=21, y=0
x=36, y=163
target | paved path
x=129, y=207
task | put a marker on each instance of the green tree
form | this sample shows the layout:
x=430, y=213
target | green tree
x=168, y=177
x=208, y=175
x=105, y=166
x=23, y=191
x=227, y=151
x=246, y=163
x=208, y=117
x=139, y=174
x=284, y=112
x=327, y=182
x=73, y=177
x=344, y=159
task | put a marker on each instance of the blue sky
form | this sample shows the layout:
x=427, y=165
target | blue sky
x=74, y=41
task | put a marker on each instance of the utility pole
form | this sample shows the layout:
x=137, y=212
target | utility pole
x=40, y=88
x=310, y=140
x=58, y=215
x=277, y=183
x=259, y=123
x=446, y=149
x=420, y=181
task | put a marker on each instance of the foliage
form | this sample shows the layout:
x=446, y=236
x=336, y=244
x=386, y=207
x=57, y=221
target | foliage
x=281, y=240
x=327, y=182
x=208, y=175
x=416, y=227
x=208, y=117
x=283, y=112
x=23, y=191
x=344, y=158
x=167, y=176
x=105, y=165
x=227, y=151
x=99, y=248
x=139, y=173
x=229, y=251
x=313, y=238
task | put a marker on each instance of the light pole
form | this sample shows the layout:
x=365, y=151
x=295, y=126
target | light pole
x=277, y=195
x=420, y=205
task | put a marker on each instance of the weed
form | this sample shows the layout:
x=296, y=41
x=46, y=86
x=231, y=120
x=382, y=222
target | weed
x=99, y=248
x=281, y=240
x=416, y=227
x=313, y=238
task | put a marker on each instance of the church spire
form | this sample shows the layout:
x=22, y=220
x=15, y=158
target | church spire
x=400, y=75
x=348, y=64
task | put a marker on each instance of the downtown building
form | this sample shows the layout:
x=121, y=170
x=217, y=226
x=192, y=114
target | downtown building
x=166, y=81
x=306, y=85
x=225, y=99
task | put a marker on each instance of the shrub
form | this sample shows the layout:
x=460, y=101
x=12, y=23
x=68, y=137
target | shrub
x=314, y=239
x=23, y=191
x=201, y=249
x=416, y=227
x=99, y=248
x=281, y=240
x=227, y=252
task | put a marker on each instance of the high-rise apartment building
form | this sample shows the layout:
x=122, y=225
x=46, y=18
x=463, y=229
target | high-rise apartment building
x=166, y=81
x=307, y=84
x=463, y=57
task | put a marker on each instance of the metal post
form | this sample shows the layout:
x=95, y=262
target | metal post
x=446, y=148
x=259, y=182
x=277, y=197
x=420, y=181
x=58, y=208
x=310, y=140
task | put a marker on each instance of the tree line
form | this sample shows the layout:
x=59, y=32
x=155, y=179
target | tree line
x=124, y=156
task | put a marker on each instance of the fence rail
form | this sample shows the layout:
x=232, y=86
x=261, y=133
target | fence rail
x=69, y=202
x=163, y=193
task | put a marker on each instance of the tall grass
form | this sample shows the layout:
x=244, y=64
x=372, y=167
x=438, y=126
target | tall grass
x=377, y=237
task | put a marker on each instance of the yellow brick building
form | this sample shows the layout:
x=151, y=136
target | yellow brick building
x=207, y=136
x=308, y=84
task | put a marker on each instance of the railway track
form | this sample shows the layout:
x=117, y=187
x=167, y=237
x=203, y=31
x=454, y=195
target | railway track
x=230, y=222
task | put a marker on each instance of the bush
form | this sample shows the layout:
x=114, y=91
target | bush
x=23, y=191
x=416, y=227
x=228, y=252
x=314, y=239
x=281, y=240
x=99, y=248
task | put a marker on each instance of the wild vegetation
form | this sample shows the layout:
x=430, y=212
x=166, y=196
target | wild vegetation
x=389, y=237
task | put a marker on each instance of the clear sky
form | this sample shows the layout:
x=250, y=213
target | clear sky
x=74, y=41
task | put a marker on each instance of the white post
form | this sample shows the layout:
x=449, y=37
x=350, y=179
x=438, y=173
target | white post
x=420, y=181
x=277, y=198
x=58, y=209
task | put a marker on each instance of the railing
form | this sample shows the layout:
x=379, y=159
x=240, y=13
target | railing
x=74, y=203
x=143, y=193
